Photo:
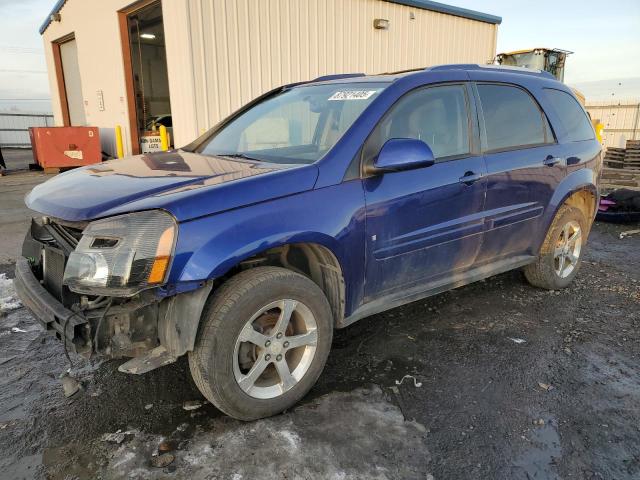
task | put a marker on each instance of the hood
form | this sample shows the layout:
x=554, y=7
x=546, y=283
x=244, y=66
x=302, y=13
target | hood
x=186, y=184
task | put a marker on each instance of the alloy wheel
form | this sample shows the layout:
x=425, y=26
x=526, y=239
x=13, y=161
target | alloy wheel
x=275, y=349
x=567, y=250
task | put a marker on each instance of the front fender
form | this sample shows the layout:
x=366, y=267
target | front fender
x=212, y=261
x=333, y=217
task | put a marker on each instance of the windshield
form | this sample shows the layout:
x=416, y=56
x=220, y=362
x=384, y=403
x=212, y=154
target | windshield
x=298, y=125
x=527, y=59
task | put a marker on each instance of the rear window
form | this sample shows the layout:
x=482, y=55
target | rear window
x=512, y=119
x=572, y=117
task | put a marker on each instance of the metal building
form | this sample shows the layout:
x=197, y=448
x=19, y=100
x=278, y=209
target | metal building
x=621, y=120
x=189, y=63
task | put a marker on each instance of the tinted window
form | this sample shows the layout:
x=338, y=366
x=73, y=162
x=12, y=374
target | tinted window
x=511, y=117
x=437, y=116
x=572, y=116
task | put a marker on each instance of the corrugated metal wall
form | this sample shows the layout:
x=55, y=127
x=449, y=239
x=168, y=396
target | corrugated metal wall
x=14, y=127
x=223, y=53
x=621, y=120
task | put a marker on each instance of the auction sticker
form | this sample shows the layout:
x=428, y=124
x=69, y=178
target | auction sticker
x=353, y=95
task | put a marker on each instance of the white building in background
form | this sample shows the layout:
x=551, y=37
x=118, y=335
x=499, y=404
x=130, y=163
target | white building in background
x=621, y=120
x=189, y=63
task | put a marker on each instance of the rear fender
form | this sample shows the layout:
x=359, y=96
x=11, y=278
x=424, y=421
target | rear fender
x=584, y=179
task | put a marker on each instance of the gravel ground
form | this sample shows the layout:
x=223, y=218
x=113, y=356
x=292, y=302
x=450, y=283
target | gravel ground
x=17, y=158
x=509, y=382
x=14, y=216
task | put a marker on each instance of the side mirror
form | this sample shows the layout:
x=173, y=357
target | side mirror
x=400, y=154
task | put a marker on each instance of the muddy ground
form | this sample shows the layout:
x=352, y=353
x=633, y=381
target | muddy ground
x=511, y=382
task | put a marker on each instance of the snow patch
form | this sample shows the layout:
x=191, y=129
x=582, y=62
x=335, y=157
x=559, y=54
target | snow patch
x=125, y=458
x=376, y=442
x=292, y=438
x=8, y=298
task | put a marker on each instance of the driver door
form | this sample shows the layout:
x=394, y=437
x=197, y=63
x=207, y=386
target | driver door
x=425, y=224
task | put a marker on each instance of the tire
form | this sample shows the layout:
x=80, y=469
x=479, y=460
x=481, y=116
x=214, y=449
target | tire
x=222, y=358
x=544, y=272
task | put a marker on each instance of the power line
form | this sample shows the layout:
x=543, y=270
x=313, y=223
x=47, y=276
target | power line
x=2, y=70
x=25, y=99
x=17, y=49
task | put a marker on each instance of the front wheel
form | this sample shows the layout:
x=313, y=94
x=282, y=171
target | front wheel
x=561, y=252
x=264, y=339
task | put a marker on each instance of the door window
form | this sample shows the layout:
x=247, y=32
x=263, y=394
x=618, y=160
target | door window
x=572, y=116
x=436, y=115
x=512, y=119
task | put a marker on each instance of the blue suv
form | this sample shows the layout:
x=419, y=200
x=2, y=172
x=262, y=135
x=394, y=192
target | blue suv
x=316, y=205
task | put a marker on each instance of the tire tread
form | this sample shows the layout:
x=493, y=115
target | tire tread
x=539, y=273
x=219, y=306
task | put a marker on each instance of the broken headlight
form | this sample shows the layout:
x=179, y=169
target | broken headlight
x=122, y=255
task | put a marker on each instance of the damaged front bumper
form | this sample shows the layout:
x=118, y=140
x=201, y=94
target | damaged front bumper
x=53, y=316
x=152, y=330
x=128, y=329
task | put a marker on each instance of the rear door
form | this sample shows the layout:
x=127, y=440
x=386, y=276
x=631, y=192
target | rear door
x=524, y=167
x=425, y=223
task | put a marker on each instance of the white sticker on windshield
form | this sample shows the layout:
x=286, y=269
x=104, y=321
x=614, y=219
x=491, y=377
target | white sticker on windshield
x=352, y=95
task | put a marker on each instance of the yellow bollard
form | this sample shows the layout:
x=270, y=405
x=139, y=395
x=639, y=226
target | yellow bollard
x=119, y=144
x=599, y=131
x=164, y=139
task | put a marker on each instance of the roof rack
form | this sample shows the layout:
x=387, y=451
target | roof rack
x=437, y=68
x=476, y=66
x=398, y=72
x=326, y=78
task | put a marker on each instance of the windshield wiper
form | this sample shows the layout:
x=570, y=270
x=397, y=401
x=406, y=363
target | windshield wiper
x=238, y=155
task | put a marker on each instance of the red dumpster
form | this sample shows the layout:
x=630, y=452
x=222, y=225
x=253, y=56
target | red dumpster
x=60, y=147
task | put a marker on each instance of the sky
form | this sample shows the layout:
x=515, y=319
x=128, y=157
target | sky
x=23, y=72
x=605, y=37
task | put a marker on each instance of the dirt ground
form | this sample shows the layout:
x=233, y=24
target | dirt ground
x=509, y=382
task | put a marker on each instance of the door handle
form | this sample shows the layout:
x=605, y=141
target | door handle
x=470, y=177
x=551, y=161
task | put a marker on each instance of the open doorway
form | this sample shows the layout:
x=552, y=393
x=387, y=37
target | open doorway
x=146, y=73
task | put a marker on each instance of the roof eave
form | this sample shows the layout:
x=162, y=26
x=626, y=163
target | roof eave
x=450, y=10
x=421, y=4
x=56, y=9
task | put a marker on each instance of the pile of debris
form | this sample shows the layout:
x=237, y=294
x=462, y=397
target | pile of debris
x=622, y=167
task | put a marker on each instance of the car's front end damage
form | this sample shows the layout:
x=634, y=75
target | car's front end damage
x=95, y=286
x=121, y=260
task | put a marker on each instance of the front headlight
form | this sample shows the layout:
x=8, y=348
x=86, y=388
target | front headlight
x=122, y=255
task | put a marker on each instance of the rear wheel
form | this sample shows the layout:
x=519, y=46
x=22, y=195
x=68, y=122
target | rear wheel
x=561, y=252
x=264, y=340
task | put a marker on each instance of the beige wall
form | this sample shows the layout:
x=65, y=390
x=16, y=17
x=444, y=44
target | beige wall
x=223, y=53
x=621, y=120
x=242, y=48
x=95, y=25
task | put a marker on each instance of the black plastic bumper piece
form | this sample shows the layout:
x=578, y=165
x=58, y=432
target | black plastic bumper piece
x=53, y=316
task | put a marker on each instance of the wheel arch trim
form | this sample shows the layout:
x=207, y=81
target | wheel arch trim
x=583, y=180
